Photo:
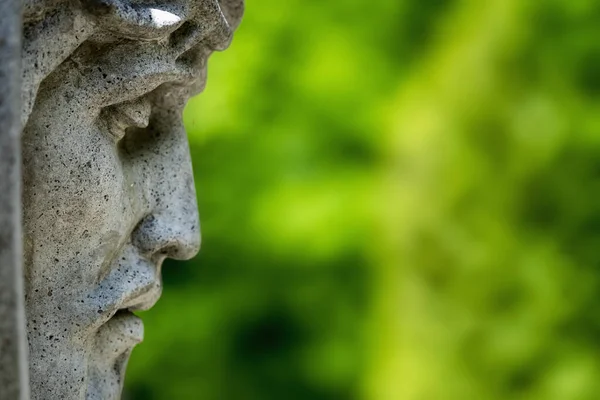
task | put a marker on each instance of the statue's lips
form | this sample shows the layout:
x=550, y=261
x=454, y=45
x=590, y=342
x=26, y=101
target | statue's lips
x=135, y=285
x=122, y=329
x=120, y=333
x=129, y=114
x=126, y=327
x=134, y=114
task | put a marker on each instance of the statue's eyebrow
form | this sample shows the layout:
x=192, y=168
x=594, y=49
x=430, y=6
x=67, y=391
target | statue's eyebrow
x=137, y=21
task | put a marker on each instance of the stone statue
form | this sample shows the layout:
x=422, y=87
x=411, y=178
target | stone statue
x=108, y=191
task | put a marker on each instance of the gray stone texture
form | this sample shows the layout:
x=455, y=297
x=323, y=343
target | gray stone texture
x=13, y=363
x=108, y=191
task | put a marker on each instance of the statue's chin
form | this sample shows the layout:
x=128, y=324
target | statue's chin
x=113, y=345
x=106, y=380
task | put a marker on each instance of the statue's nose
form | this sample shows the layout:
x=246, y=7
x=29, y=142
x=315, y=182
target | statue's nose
x=171, y=227
x=167, y=234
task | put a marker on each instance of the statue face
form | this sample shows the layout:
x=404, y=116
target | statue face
x=108, y=185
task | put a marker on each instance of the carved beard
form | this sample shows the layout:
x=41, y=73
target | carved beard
x=108, y=188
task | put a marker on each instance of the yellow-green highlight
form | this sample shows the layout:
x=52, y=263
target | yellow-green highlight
x=399, y=201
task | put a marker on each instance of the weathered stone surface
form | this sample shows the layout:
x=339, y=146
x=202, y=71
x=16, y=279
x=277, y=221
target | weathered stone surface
x=108, y=185
x=13, y=364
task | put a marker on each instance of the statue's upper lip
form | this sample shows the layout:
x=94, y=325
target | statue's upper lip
x=133, y=284
x=142, y=299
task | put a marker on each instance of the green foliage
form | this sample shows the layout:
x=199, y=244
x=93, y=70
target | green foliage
x=398, y=201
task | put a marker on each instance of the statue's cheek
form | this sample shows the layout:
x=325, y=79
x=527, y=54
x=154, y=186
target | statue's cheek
x=80, y=199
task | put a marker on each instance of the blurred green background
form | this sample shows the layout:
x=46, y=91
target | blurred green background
x=399, y=200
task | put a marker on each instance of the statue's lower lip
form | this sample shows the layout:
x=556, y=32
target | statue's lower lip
x=134, y=114
x=124, y=329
